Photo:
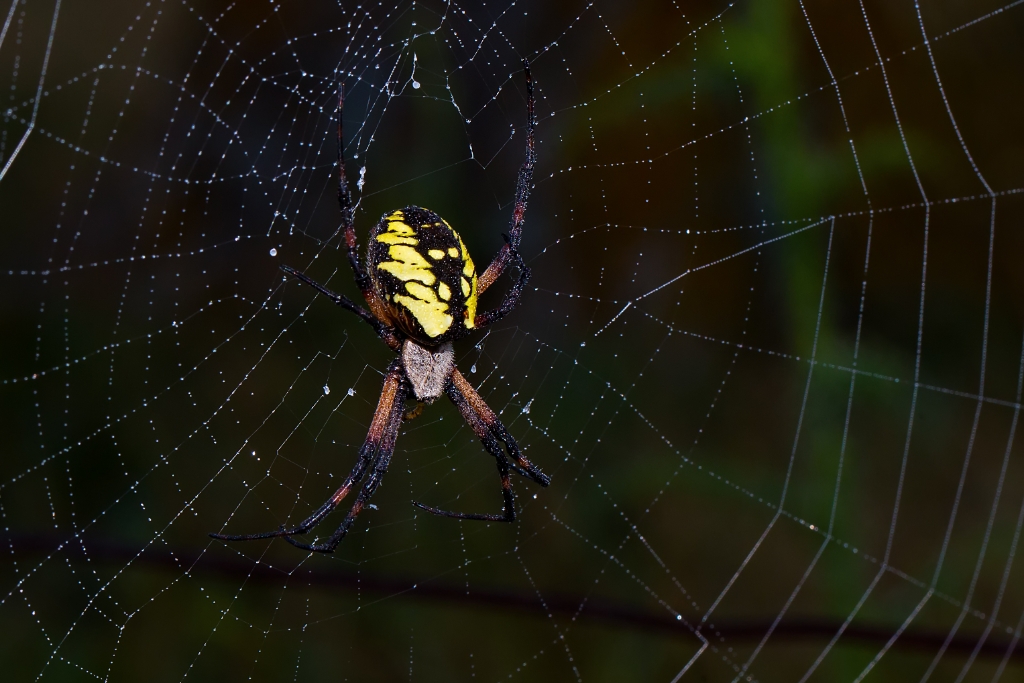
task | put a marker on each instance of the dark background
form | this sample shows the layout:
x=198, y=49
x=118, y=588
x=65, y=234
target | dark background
x=770, y=354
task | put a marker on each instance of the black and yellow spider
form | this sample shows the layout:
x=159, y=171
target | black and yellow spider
x=421, y=286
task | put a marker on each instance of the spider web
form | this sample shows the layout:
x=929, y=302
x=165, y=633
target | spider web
x=771, y=354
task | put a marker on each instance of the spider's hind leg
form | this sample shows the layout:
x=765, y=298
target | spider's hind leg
x=380, y=439
x=508, y=513
x=488, y=428
x=380, y=466
x=469, y=402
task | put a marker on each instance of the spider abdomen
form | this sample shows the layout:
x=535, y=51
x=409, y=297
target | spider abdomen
x=420, y=268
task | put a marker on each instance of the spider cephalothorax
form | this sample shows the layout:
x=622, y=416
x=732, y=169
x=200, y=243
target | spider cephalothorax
x=421, y=287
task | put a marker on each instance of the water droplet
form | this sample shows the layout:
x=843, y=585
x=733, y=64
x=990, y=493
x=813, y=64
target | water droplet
x=273, y=251
x=473, y=369
x=327, y=390
x=416, y=85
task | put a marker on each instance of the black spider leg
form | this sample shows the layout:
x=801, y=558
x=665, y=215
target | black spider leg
x=512, y=296
x=385, y=332
x=494, y=448
x=488, y=428
x=380, y=466
x=348, y=226
x=523, y=182
x=496, y=428
x=392, y=394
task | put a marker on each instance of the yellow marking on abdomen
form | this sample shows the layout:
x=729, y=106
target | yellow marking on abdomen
x=468, y=284
x=436, y=254
x=398, y=232
x=429, y=312
x=468, y=269
x=408, y=264
x=453, y=252
x=392, y=238
x=470, y=321
x=444, y=291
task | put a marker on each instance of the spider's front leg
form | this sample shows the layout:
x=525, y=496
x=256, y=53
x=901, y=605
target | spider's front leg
x=512, y=296
x=508, y=252
x=385, y=332
x=348, y=227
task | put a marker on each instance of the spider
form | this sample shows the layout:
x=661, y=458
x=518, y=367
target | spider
x=421, y=288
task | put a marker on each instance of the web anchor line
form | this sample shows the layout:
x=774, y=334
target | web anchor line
x=689, y=271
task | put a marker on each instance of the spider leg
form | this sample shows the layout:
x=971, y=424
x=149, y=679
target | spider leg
x=492, y=433
x=508, y=499
x=523, y=181
x=348, y=226
x=511, y=297
x=380, y=466
x=494, y=448
x=462, y=392
x=379, y=426
x=385, y=332
x=489, y=441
